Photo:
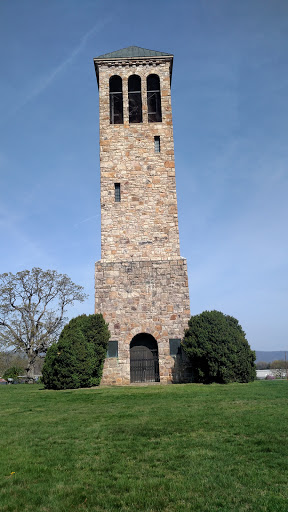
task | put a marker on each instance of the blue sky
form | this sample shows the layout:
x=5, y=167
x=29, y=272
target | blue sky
x=230, y=114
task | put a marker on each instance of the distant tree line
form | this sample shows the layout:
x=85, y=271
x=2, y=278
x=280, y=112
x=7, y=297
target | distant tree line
x=278, y=364
x=11, y=359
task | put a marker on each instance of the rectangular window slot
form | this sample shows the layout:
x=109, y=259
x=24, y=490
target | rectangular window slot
x=112, y=350
x=175, y=346
x=157, y=144
x=117, y=192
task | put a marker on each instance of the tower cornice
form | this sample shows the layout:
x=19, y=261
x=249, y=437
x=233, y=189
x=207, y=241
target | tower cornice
x=132, y=61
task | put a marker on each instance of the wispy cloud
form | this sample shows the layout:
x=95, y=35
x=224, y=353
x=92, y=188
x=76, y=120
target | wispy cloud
x=86, y=220
x=47, y=80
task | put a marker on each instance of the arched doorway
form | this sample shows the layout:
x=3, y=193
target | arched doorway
x=144, y=360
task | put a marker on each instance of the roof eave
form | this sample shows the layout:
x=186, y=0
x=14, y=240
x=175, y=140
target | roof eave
x=144, y=57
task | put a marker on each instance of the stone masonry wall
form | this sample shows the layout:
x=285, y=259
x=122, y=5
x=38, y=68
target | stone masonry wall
x=144, y=225
x=141, y=283
x=142, y=296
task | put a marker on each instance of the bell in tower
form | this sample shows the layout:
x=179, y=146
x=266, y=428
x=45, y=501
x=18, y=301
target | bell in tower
x=141, y=283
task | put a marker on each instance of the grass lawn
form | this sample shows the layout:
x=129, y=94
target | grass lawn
x=159, y=448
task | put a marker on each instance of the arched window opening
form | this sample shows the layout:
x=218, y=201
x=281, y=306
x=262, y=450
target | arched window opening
x=154, y=99
x=116, y=100
x=135, y=100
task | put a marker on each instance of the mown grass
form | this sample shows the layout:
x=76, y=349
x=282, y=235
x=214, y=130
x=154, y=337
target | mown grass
x=158, y=448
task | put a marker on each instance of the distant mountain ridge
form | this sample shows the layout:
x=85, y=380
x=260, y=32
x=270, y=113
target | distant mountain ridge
x=268, y=357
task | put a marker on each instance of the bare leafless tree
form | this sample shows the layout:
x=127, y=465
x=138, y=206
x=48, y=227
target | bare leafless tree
x=32, y=308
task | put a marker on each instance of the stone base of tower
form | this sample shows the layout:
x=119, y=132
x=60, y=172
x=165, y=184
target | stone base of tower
x=143, y=298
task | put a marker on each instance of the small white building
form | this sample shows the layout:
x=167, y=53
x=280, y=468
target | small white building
x=262, y=374
x=277, y=373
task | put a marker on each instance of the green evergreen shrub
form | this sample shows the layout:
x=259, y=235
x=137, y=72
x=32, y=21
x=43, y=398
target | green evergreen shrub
x=217, y=349
x=78, y=357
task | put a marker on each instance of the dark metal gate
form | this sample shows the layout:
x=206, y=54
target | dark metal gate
x=144, y=364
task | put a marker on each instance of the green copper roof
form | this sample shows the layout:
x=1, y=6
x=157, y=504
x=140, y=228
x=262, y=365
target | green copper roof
x=133, y=51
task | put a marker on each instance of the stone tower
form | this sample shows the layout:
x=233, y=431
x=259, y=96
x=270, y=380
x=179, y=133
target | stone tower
x=141, y=280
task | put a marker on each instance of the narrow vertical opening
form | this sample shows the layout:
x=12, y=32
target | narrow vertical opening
x=117, y=192
x=154, y=99
x=157, y=144
x=116, y=100
x=135, y=99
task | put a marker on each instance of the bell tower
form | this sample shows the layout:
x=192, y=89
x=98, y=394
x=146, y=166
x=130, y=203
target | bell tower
x=141, y=283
